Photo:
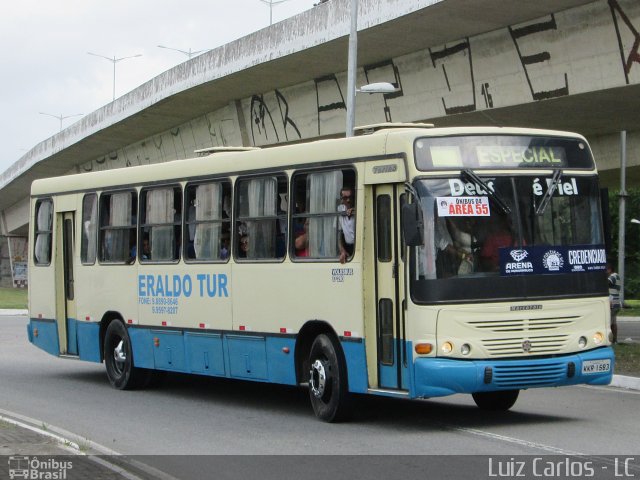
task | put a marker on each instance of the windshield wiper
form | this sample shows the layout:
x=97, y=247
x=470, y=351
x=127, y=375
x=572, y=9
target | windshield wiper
x=555, y=180
x=471, y=175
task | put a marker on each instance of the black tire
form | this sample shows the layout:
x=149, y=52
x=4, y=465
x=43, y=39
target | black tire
x=328, y=386
x=496, y=401
x=118, y=359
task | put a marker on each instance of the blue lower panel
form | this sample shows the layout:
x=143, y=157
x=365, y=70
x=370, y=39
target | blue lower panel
x=356, y=366
x=44, y=334
x=436, y=377
x=247, y=357
x=168, y=352
x=88, y=339
x=205, y=355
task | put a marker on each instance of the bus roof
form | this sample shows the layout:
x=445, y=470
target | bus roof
x=387, y=140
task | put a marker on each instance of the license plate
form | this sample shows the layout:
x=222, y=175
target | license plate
x=596, y=366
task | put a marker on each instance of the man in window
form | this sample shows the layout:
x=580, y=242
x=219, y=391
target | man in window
x=346, y=224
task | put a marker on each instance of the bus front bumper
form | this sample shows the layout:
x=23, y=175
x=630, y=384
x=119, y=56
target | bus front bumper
x=437, y=377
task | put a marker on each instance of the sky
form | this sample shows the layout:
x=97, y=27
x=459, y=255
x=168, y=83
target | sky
x=46, y=68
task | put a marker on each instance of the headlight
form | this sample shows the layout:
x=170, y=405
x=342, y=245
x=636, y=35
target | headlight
x=598, y=338
x=465, y=349
x=582, y=342
x=447, y=347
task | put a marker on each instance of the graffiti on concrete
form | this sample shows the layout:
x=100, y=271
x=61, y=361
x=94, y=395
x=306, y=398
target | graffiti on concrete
x=633, y=55
x=386, y=71
x=536, y=58
x=329, y=98
x=265, y=126
x=458, y=58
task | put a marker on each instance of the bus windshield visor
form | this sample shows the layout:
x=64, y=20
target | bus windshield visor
x=489, y=240
x=504, y=152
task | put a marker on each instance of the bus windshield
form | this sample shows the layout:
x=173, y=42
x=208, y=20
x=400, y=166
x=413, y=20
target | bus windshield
x=508, y=237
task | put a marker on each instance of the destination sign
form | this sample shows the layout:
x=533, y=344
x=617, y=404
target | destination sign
x=542, y=156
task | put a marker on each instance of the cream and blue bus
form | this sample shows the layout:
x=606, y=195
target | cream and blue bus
x=409, y=261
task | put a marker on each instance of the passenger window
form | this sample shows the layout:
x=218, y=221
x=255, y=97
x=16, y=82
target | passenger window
x=324, y=215
x=43, y=232
x=118, y=227
x=261, y=218
x=89, y=229
x=160, y=225
x=208, y=222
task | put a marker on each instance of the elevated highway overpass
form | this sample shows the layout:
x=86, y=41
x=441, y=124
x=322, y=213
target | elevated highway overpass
x=562, y=64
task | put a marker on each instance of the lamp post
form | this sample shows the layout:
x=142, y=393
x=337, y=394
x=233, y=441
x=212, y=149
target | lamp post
x=114, y=60
x=187, y=53
x=271, y=3
x=352, y=64
x=60, y=117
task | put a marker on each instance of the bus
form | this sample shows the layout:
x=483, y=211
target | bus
x=408, y=261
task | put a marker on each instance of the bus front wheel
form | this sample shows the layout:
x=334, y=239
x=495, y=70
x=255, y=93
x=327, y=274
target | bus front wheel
x=118, y=359
x=328, y=386
x=496, y=401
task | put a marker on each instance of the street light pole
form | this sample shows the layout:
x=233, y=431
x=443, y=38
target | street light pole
x=271, y=3
x=188, y=54
x=60, y=117
x=114, y=60
x=351, y=70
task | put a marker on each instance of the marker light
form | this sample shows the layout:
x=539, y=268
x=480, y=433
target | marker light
x=447, y=347
x=582, y=342
x=465, y=349
x=598, y=338
x=423, y=348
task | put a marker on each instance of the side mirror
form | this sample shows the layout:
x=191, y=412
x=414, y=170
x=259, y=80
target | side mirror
x=412, y=225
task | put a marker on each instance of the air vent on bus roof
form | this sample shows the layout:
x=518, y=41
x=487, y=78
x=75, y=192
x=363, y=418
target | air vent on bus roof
x=203, y=152
x=369, y=129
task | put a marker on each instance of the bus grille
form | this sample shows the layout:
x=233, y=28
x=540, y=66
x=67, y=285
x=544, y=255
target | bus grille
x=524, y=336
x=532, y=345
x=529, y=376
x=523, y=324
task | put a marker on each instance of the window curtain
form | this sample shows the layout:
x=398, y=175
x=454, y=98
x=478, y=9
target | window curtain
x=160, y=211
x=262, y=203
x=429, y=250
x=42, y=250
x=208, y=209
x=89, y=228
x=117, y=240
x=324, y=194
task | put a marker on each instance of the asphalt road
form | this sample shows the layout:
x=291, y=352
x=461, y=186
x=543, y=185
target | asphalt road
x=192, y=415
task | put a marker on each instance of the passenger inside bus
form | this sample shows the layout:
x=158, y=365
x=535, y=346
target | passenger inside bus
x=346, y=223
x=243, y=247
x=302, y=241
x=498, y=235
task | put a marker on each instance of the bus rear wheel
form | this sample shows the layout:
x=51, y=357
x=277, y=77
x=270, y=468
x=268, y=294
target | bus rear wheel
x=496, y=401
x=118, y=359
x=328, y=386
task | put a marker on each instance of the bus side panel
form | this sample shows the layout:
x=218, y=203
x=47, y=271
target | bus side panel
x=205, y=353
x=280, y=359
x=355, y=357
x=142, y=346
x=44, y=334
x=88, y=334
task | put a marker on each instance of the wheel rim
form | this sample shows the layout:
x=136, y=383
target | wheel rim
x=119, y=358
x=318, y=378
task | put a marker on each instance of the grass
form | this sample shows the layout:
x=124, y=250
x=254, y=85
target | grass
x=13, y=298
x=627, y=359
x=631, y=308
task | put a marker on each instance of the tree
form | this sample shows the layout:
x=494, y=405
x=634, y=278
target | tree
x=632, y=239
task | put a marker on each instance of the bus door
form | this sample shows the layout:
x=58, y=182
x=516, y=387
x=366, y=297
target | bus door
x=66, y=309
x=389, y=272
